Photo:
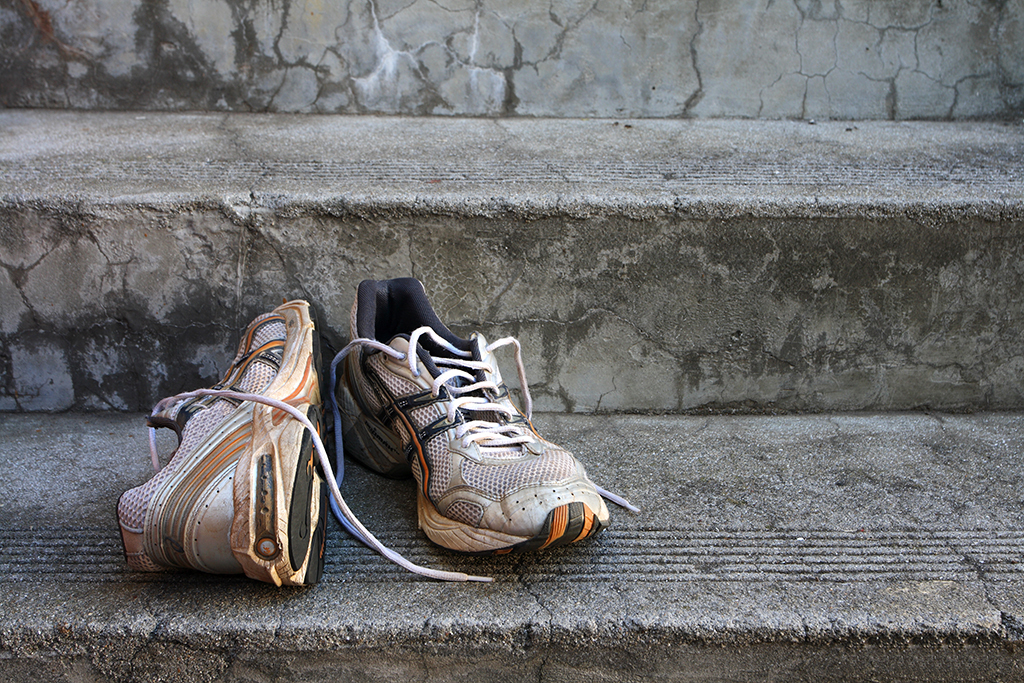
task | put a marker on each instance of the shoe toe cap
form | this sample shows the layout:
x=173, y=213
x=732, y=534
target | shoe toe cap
x=525, y=511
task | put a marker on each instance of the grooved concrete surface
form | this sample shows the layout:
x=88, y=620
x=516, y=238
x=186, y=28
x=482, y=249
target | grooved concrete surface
x=645, y=265
x=846, y=547
x=857, y=59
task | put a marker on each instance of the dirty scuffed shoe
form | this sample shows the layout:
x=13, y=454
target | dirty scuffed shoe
x=242, y=492
x=415, y=398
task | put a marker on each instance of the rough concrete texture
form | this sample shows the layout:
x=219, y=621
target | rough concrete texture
x=811, y=548
x=646, y=266
x=858, y=59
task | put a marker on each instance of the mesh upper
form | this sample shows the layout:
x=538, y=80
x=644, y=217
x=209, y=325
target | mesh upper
x=421, y=417
x=398, y=386
x=439, y=458
x=267, y=333
x=465, y=511
x=552, y=466
x=255, y=378
x=352, y=318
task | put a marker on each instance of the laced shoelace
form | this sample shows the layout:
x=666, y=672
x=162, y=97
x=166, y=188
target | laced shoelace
x=338, y=505
x=486, y=433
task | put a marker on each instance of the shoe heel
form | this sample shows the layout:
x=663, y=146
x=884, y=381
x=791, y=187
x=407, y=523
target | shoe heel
x=134, y=553
x=279, y=510
x=365, y=438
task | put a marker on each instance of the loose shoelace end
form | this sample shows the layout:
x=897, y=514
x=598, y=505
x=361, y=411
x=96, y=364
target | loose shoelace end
x=618, y=500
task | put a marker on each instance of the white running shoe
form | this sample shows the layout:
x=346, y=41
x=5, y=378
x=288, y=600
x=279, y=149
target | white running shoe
x=242, y=492
x=415, y=398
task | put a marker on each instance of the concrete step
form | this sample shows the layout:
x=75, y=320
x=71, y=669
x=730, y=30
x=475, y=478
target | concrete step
x=840, y=547
x=662, y=266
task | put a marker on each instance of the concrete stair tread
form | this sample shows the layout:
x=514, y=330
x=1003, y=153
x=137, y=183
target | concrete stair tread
x=531, y=166
x=786, y=546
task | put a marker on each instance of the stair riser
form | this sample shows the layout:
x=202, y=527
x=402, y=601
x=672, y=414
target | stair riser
x=856, y=59
x=116, y=305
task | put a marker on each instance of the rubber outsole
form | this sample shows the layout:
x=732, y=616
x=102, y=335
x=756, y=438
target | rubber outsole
x=563, y=525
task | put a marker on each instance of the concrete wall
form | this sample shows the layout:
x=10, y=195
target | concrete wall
x=117, y=307
x=858, y=59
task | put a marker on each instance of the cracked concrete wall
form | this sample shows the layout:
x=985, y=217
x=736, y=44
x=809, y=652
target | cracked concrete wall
x=858, y=59
x=117, y=307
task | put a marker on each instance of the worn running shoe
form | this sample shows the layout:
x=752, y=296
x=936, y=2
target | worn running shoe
x=415, y=398
x=242, y=492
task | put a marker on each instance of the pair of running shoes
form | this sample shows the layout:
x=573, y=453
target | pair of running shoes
x=249, y=486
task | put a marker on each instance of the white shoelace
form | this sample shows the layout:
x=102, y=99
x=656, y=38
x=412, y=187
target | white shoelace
x=485, y=433
x=338, y=505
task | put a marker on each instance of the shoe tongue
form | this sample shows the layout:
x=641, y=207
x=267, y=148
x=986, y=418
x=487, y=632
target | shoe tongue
x=400, y=342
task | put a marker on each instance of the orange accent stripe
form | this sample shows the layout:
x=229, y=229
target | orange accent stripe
x=278, y=416
x=237, y=371
x=419, y=448
x=528, y=421
x=210, y=465
x=260, y=349
x=558, y=523
x=213, y=461
x=305, y=378
x=588, y=523
x=172, y=518
x=252, y=331
x=244, y=344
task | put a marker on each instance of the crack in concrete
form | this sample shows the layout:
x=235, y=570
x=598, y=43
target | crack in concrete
x=273, y=246
x=547, y=622
x=978, y=566
x=597, y=406
x=492, y=306
x=566, y=28
x=428, y=95
x=246, y=218
x=243, y=250
x=892, y=98
x=694, y=99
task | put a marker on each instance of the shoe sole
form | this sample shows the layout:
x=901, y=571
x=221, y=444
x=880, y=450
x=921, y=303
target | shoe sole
x=565, y=524
x=280, y=495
